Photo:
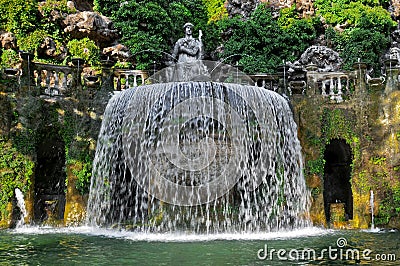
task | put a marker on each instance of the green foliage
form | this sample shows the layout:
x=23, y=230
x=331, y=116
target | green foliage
x=16, y=171
x=31, y=41
x=288, y=16
x=59, y=5
x=337, y=126
x=23, y=19
x=261, y=43
x=68, y=130
x=18, y=16
x=86, y=49
x=150, y=28
x=365, y=44
x=353, y=12
x=107, y=7
x=299, y=35
x=123, y=65
x=144, y=26
x=9, y=58
x=83, y=175
x=316, y=166
x=315, y=192
x=48, y=25
x=77, y=152
x=367, y=28
x=216, y=10
x=25, y=141
x=390, y=206
x=378, y=160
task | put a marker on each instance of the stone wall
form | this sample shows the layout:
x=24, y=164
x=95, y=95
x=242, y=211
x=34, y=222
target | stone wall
x=367, y=119
x=369, y=124
x=58, y=135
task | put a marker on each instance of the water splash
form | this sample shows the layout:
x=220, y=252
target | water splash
x=371, y=204
x=21, y=205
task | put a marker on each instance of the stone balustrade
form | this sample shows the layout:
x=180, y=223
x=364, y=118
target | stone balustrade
x=334, y=85
x=55, y=80
x=267, y=81
x=126, y=78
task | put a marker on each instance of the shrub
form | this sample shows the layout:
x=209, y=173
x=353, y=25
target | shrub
x=9, y=58
x=261, y=43
x=31, y=41
x=85, y=49
x=18, y=16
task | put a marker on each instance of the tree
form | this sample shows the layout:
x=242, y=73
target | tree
x=150, y=28
x=260, y=44
x=366, y=34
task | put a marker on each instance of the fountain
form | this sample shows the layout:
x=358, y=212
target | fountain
x=197, y=153
x=21, y=205
x=371, y=203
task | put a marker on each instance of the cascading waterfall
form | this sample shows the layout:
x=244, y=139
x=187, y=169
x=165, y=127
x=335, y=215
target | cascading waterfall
x=21, y=205
x=202, y=157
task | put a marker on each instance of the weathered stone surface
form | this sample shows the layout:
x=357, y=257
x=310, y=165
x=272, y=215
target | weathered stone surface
x=8, y=40
x=325, y=58
x=92, y=25
x=394, y=9
x=306, y=7
x=48, y=48
x=83, y=5
x=117, y=52
x=280, y=3
x=242, y=8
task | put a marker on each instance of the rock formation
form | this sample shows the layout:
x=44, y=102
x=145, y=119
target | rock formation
x=92, y=25
x=117, y=52
x=242, y=8
x=8, y=40
x=48, y=48
x=394, y=9
x=323, y=57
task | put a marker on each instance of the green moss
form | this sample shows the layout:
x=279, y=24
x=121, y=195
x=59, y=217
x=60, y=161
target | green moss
x=316, y=166
x=334, y=125
x=77, y=152
x=83, y=175
x=32, y=41
x=389, y=206
x=315, y=192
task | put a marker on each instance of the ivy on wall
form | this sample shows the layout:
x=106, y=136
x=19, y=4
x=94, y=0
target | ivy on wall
x=16, y=171
x=334, y=125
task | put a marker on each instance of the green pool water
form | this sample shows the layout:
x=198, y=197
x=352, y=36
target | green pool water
x=90, y=246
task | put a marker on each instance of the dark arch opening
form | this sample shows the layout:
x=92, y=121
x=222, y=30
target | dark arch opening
x=337, y=173
x=49, y=199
